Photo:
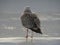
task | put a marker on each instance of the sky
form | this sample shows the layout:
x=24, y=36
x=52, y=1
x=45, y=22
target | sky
x=43, y=6
x=48, y=12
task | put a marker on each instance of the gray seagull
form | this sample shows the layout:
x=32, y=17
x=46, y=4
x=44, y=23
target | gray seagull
x=30, y=21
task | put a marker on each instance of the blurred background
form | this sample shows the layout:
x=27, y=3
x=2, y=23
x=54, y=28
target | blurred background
x=12, y=31
x=48, y=12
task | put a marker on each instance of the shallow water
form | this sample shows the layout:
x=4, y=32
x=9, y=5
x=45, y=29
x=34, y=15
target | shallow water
x=35, y=41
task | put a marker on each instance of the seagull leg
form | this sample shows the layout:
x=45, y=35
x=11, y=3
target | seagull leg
x=32, y=36
x=27, y=35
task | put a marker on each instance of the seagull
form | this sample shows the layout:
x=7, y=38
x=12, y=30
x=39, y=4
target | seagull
x=30, y=21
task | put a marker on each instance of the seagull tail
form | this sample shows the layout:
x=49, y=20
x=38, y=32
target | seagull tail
x=37, y=30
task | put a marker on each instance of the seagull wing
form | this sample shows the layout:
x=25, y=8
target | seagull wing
x=36, y=20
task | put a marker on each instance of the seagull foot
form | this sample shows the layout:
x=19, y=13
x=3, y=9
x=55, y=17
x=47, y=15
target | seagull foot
x=26, y=36
x=31, y=36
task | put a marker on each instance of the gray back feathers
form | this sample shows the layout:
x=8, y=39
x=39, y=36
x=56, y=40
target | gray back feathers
x=29, y=19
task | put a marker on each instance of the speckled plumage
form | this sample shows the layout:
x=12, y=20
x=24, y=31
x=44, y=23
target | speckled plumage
x=31, y=21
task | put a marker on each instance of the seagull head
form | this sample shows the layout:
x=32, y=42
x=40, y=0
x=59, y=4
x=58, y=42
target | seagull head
x=27, y=10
